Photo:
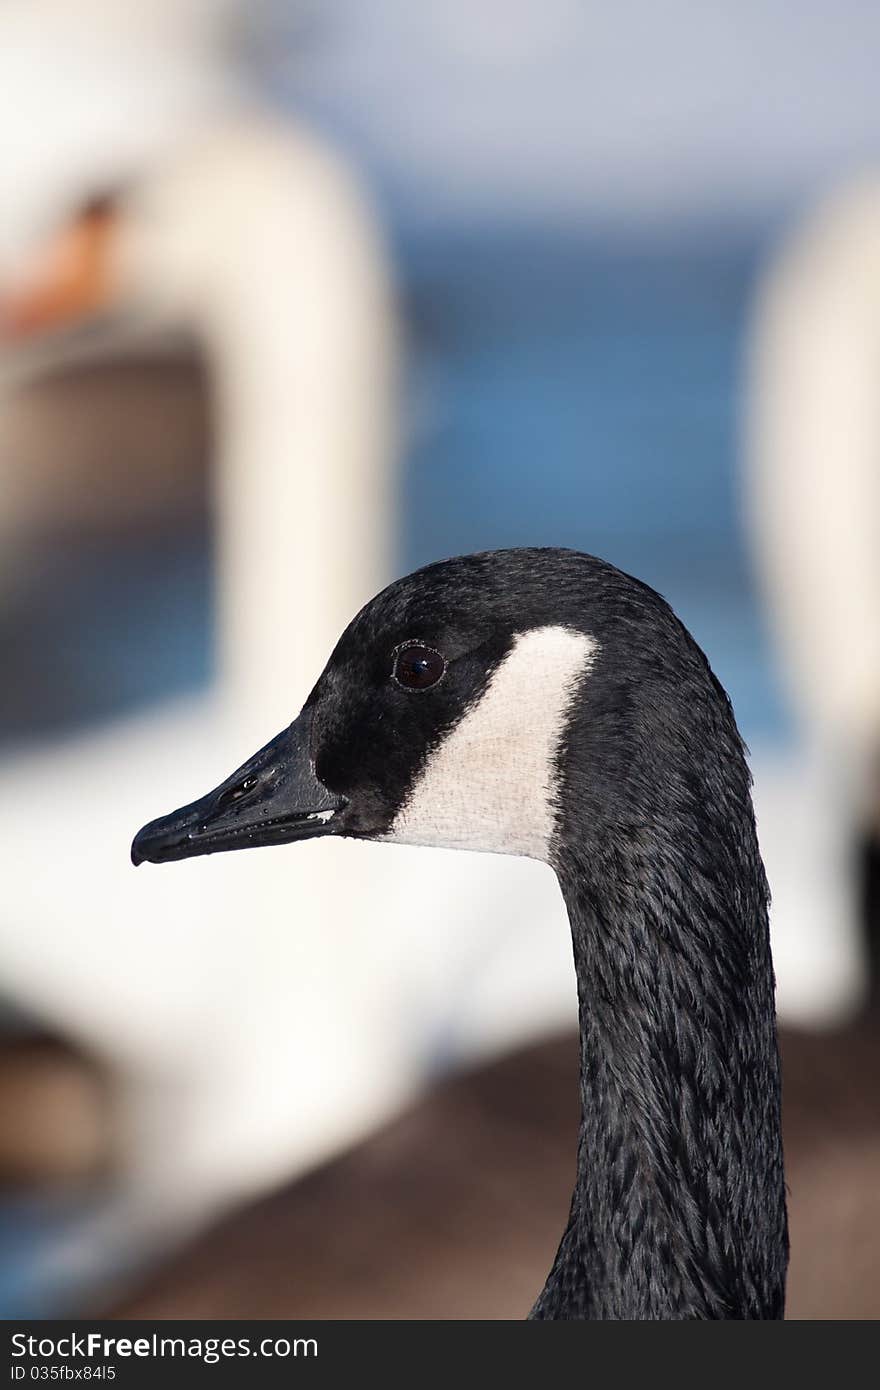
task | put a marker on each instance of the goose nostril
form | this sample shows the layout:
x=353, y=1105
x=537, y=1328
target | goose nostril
x=233, y=794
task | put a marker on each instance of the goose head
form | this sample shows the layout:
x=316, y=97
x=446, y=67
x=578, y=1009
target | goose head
x=520, y=702
x=438, y=720
x=539, y=702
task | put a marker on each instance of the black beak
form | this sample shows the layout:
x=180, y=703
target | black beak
x=273, y=798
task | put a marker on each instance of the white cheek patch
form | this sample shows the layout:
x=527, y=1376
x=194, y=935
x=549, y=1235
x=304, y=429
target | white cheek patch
x=490, y=784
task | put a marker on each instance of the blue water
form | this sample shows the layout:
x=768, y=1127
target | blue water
x=34, y=1283
x=591, y=403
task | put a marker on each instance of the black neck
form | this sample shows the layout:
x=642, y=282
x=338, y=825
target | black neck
x=679, y=1205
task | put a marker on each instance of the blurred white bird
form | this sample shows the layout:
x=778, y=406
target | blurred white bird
x=813, y=488
x=217, y=1002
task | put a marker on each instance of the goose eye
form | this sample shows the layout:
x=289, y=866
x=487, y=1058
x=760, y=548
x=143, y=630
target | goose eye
x=417, y=667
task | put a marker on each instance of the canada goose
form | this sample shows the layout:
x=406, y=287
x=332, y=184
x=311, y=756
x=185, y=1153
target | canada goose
x=541, y=703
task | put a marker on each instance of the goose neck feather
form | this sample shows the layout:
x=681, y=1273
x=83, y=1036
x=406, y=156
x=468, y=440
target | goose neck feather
x=679, y=1205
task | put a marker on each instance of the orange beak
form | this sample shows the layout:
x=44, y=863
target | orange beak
x=68, y=281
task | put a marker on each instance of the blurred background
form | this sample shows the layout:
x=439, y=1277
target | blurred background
x=295, y=297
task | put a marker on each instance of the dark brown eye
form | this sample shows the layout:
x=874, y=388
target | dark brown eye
x=417, y=667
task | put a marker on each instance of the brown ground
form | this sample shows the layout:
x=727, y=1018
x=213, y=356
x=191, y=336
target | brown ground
x=455, y=1209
